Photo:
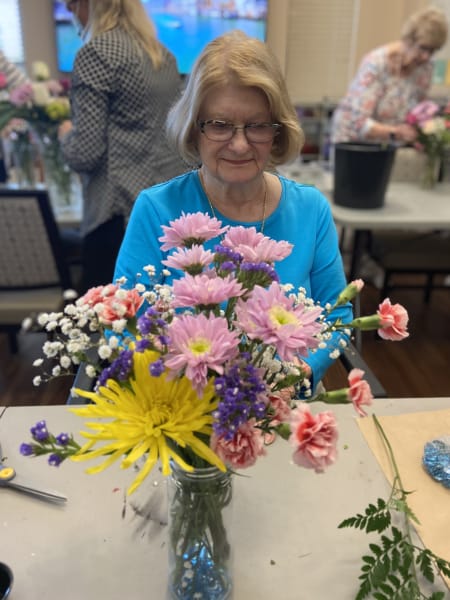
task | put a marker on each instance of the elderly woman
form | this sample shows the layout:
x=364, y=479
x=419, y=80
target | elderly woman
x=235, y=123
x=391, y=80
x=123, y=84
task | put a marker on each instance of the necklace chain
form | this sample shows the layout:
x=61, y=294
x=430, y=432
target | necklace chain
x=211, y=206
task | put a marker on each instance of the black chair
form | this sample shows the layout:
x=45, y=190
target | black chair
x=33, y=271
x=424, y=254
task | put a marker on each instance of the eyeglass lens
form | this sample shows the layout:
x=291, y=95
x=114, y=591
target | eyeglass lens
x=221, y=131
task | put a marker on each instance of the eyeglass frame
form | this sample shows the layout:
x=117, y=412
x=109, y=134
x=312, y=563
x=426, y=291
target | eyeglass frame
x=423, y=49
x=274, y=127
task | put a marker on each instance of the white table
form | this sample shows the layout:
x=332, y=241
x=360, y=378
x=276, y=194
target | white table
x=287, y=545
x=406, y=206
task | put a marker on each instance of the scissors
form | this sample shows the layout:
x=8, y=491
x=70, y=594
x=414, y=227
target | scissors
x=9, y=478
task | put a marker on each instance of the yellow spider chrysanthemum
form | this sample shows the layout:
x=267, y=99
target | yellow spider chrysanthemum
x=152, y=416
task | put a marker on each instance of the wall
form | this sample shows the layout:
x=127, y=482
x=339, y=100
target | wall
x=38, y=33
x=319, y=43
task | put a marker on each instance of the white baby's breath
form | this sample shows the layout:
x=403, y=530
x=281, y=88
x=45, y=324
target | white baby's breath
x=104, y=351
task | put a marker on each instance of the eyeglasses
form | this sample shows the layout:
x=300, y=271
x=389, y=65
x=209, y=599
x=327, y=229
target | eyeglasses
x=423, y=49
x=222, y=131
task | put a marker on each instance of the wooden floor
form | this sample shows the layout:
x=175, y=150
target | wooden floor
x=417, y=366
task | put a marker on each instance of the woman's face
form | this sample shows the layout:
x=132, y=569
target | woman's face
x=236, y=160
x=418, y=53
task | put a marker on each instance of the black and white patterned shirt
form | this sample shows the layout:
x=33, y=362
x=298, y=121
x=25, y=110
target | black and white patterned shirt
x=119, y=109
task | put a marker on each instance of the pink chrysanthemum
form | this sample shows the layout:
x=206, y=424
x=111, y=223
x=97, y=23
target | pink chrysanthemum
x=270, y=316
x=254, y=246
x=205, y=289
x=198, y=343
x=313, y=437
x=189, y=229
x=192, y=260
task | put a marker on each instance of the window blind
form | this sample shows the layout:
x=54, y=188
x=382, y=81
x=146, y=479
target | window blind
x=11, y=42
x=320, y=48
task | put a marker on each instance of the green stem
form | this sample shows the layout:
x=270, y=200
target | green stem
x=397, y=487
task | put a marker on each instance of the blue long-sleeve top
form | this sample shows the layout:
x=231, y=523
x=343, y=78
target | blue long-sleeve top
x=302, y=217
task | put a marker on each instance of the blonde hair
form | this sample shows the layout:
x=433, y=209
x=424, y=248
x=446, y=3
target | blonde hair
x=130, y=15
x=428, y=26
x=238, y=59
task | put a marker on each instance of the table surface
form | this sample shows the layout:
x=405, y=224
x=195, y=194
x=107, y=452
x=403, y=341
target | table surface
x=286, y=541
x=406, y=205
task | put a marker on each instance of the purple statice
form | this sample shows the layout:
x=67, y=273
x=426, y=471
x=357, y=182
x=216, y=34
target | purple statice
x=54, y=460
x=26, y=449
x=156, y=368
x=226, y=259
x=257, y=273
x=119, y=369
x=40, y=431
x=151, y=322
x=241, y=397
x=63, y=439
x=142, y=345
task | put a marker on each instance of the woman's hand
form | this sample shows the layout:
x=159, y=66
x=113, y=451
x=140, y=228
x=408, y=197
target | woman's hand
x=404, y=133
x=64, y=129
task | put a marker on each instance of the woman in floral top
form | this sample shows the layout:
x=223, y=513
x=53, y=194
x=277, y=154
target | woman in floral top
x=390, y=81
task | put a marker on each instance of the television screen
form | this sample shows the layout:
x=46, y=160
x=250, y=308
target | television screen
x=183, y=26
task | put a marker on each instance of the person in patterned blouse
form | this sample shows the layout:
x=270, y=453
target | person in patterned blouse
x=123, y=84
x=390, y=81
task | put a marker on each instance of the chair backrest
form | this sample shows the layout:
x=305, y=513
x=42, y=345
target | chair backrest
x=31, y=255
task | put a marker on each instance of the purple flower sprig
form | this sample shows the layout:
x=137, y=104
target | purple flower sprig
x=241, y=391
x=257, y=273
x=58, y=447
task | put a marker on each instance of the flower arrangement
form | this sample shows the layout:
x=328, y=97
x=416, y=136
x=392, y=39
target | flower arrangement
x=433, y=135
x=212, y=366
x=203, y=373
x=40, y=106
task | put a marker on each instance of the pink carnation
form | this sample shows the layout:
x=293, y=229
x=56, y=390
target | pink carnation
x=280, y=404
x=359, y=392
x=112, y=302
x=393, y=321
x=123, y=305
x=97, y=295
x=3, y=81
x=314, y=438
x=243, y=450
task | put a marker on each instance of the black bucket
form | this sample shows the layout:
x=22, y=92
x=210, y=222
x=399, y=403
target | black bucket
x=361, y=173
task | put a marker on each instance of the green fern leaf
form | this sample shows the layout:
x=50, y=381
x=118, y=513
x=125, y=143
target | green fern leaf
x=443, y=565
x=376, y=549
x=425, y=565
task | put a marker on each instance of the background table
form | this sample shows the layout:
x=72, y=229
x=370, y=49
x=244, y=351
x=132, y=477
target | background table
x=286, y=541
x=407, y=206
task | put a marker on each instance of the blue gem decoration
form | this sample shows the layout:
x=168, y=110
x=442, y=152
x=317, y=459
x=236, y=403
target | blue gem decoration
x=436, y=460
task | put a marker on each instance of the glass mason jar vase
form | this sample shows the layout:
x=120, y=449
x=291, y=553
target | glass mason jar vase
x=199, y=534
x=430, y=172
